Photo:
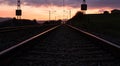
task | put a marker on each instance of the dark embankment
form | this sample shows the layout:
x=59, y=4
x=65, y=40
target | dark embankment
x=14, y=22
x=103, y=24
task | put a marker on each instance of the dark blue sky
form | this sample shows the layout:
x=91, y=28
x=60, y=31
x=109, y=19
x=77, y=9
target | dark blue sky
x=115, y=4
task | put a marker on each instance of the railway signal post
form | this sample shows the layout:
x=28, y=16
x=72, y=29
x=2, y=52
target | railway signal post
x=84, y=7
x=18, y=10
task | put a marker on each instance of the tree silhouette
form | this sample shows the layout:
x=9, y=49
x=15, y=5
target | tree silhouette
x=115, y=11
x=106, y=12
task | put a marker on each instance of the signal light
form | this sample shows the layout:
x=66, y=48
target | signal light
x=84, y=7
x=18, y=12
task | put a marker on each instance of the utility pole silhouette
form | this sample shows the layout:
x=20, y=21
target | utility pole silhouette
x=63, y=11
x=63, y=8
x=18, y=10
x=49, y=15
x=69, y=14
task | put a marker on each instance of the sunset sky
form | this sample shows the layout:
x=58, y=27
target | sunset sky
x=39, y=9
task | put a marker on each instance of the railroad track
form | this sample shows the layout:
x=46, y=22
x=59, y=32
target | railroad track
x=62, y=46
x=13, y=36
x=8, y=29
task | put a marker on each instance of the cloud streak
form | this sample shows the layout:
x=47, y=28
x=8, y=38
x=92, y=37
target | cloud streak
x=71, y=3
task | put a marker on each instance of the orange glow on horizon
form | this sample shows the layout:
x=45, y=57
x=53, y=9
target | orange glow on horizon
x=98, y=11
x=42, y=12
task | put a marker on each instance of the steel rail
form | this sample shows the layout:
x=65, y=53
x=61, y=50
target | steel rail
x=6, y=53
x=25, y=41
x=7, y=29
x=94, y=36
x=17, y=27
